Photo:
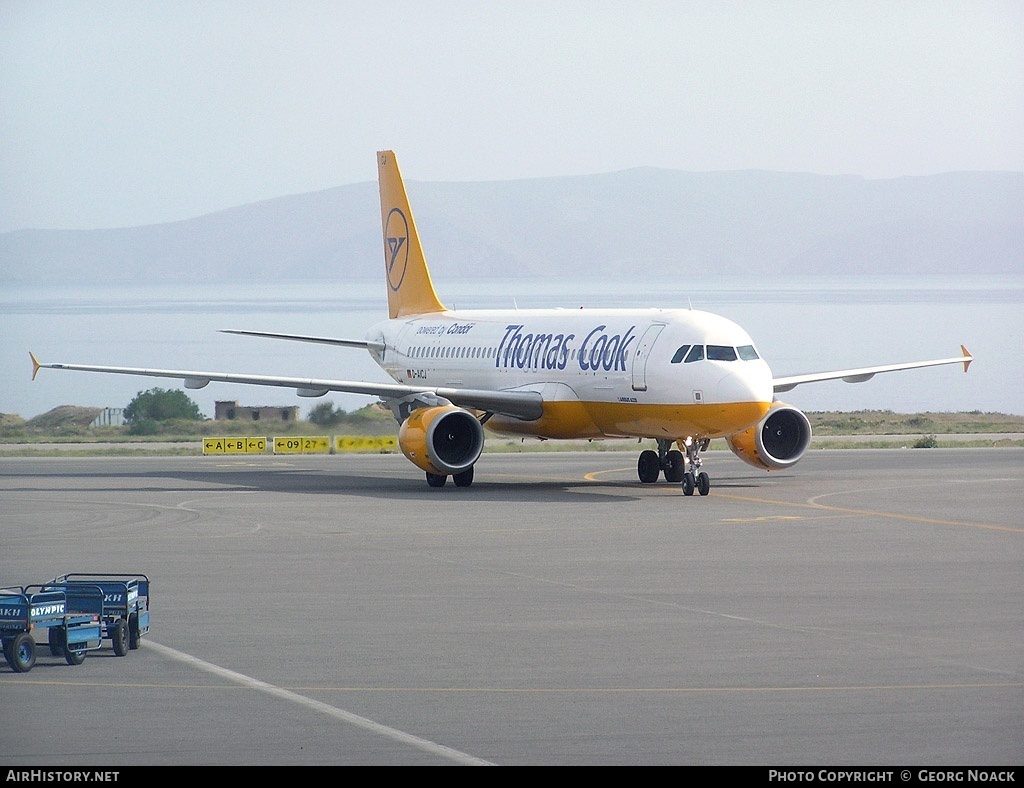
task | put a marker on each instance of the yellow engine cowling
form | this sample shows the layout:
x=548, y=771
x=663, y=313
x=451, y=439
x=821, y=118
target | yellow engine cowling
x=777, y=441
x=442, y=440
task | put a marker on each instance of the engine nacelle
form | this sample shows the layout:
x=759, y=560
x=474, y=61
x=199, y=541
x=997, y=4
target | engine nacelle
x=777, y=441
x=443, y=440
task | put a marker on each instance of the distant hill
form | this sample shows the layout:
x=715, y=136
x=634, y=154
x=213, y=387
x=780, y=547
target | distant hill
x=645, y=220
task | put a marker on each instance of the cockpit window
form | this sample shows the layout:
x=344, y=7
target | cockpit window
x=680, y=354
x=696, y=354
x=721, y=353
x=747, y=353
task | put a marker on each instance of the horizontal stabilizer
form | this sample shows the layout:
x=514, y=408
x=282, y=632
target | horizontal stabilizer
x=360, y=343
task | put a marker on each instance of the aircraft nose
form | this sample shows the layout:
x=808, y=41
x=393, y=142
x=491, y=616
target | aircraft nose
x=751, y=383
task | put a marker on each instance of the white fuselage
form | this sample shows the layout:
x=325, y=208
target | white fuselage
x=602, y=372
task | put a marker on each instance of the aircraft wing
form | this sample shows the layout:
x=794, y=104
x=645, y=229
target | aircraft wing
x=866, y=373
x=519, y=404
x=360, y=343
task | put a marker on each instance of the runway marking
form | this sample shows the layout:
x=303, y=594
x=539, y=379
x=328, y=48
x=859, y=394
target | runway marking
x=812, y=504
x=870, y=512
x=592, y=476
x=339, y=714
x=539, y=691
x=668, y=690
x=763, y=519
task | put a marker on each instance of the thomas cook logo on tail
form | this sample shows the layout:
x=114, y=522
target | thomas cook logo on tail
x=396, y=240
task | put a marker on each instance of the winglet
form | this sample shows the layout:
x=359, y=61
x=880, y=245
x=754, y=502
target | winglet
x=968, y=358
x=36, y=366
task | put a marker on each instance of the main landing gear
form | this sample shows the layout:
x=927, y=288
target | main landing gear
x=463, y=479
x=675, y=466
x=666, y=459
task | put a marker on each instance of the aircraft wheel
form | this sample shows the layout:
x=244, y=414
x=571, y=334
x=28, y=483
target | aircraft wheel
x=436, y=479
x=648, y=466
x=687, y=484
x=703, y=483
x=463, y=479
x=119, y=637
x=675, y=467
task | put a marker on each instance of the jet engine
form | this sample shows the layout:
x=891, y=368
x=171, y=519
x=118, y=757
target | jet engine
x=777, y=441
x=442, y=440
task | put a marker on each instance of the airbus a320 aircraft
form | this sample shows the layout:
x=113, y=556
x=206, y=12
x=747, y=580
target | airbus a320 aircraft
x=676, y=377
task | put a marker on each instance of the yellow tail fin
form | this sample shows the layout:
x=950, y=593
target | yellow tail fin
x=410, y=291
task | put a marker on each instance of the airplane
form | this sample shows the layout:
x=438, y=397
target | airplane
x=678, y=377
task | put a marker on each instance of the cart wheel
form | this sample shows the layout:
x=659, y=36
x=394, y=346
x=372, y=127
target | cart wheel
x=133, y=631
x=119, y=637
x=22, y=653
x=56, y=639
x=74, y=656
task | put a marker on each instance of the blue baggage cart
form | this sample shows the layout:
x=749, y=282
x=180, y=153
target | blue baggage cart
x=72, y=619
x=126, y=601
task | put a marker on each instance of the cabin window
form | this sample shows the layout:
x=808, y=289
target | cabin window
x=721, y=353
x=680, y=354
x=747, y=353
x=696, y=354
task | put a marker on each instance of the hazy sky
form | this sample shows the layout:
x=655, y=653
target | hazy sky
x=125, y=113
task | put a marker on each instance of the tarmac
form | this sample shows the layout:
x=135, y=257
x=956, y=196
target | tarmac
x=862, y=608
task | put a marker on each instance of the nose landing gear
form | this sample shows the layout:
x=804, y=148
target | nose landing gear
x=694, y=478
